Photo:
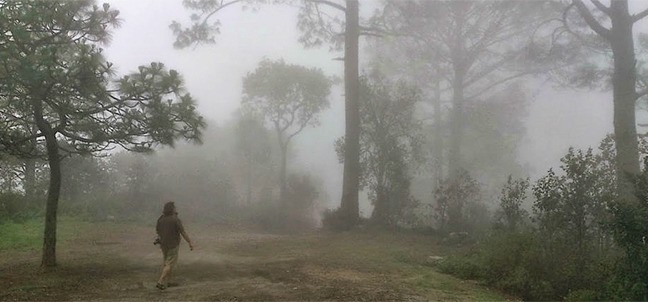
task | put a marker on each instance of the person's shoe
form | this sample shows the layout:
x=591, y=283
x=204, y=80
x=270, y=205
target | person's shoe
x=161, y=286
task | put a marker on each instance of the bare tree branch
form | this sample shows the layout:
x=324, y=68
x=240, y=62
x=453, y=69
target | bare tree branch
x=329, y=3
x=601, y=6
x=639, y=16
x=641, y=94
x=591, y=21
x=223, y=5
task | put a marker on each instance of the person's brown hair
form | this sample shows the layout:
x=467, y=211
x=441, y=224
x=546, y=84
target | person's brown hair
x=169, y=209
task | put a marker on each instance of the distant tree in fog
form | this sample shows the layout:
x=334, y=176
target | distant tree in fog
x=54, y=79
x=289, y=98
x=474, y=48
x=389, y=144
x=335, y=22
x=253, y=147
x=613, y=27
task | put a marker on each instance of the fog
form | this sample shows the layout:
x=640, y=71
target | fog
x=213, y=73
x=502, y=142
x=558, y=117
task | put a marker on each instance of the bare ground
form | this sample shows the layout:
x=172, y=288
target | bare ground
x=119, y=262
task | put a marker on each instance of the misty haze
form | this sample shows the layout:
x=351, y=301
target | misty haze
x=328, y=150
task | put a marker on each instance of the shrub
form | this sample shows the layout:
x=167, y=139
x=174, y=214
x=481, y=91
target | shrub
x=336, y=220
x=463, y=267
x=455, y=199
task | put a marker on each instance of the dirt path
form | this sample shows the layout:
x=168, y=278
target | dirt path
x=113, y=262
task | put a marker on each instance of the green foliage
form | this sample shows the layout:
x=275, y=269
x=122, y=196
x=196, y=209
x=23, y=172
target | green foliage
x=390, y=145
x=286, y=95
x=318, y=28
x=204, y=25
x=61, y=86
x=511, y=215
x=572, y=207
x=630, y=227
x=567, y=253
x=289, y=98
x=583, y=295
x=319, y=21
x=509, y=261
x=455, y=198
x=17, y=207
x=520, y=263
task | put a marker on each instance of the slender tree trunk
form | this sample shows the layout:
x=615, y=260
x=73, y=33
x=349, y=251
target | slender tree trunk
x=456, y=125
x=438, y=147
x=51, y=209
x=249, y=182
x=30, y=171
x=54, y=190
x=624, y=98
x=282, y=172
x=350, y=184
x=459, y=62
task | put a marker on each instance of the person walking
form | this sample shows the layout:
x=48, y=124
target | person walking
x=169, y=228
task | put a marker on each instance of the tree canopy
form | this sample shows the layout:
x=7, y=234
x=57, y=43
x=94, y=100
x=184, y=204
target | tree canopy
x=57, y=90
x=288, y=97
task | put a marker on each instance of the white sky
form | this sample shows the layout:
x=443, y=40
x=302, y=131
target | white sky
x=213, y=75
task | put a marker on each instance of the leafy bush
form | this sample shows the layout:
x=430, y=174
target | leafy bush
x=457, y=198
x=568, y=252
x=630, y=227
x=336, y=220
x=511, y=215
x=17, y=207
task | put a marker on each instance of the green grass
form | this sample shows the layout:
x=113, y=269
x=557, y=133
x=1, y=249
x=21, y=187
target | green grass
x=28, y=235
x=21, y=236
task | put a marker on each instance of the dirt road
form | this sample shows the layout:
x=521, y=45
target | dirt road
x=119, y=262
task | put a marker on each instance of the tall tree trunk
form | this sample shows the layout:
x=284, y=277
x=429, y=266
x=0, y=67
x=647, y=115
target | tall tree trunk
x=249, y=182
x=459, y=62
x=624, y=98
x=456, y=124
x=438, y=147
x=51, y=209
x=282, y=172
x=350, y=183
x=30, y=170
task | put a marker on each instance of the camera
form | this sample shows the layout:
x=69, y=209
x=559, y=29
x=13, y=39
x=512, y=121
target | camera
x=157, y=241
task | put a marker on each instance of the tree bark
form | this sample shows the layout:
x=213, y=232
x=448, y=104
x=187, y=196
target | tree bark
x=51, y=209
x=249, y=182
x=624, y=98
x=350, y=183
x=438, y=147
x=460, y=68
x=456, y=124
x=282, y=172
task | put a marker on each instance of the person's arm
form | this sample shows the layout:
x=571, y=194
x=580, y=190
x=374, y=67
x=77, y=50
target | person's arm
x=185, y=235
x=157, y=226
